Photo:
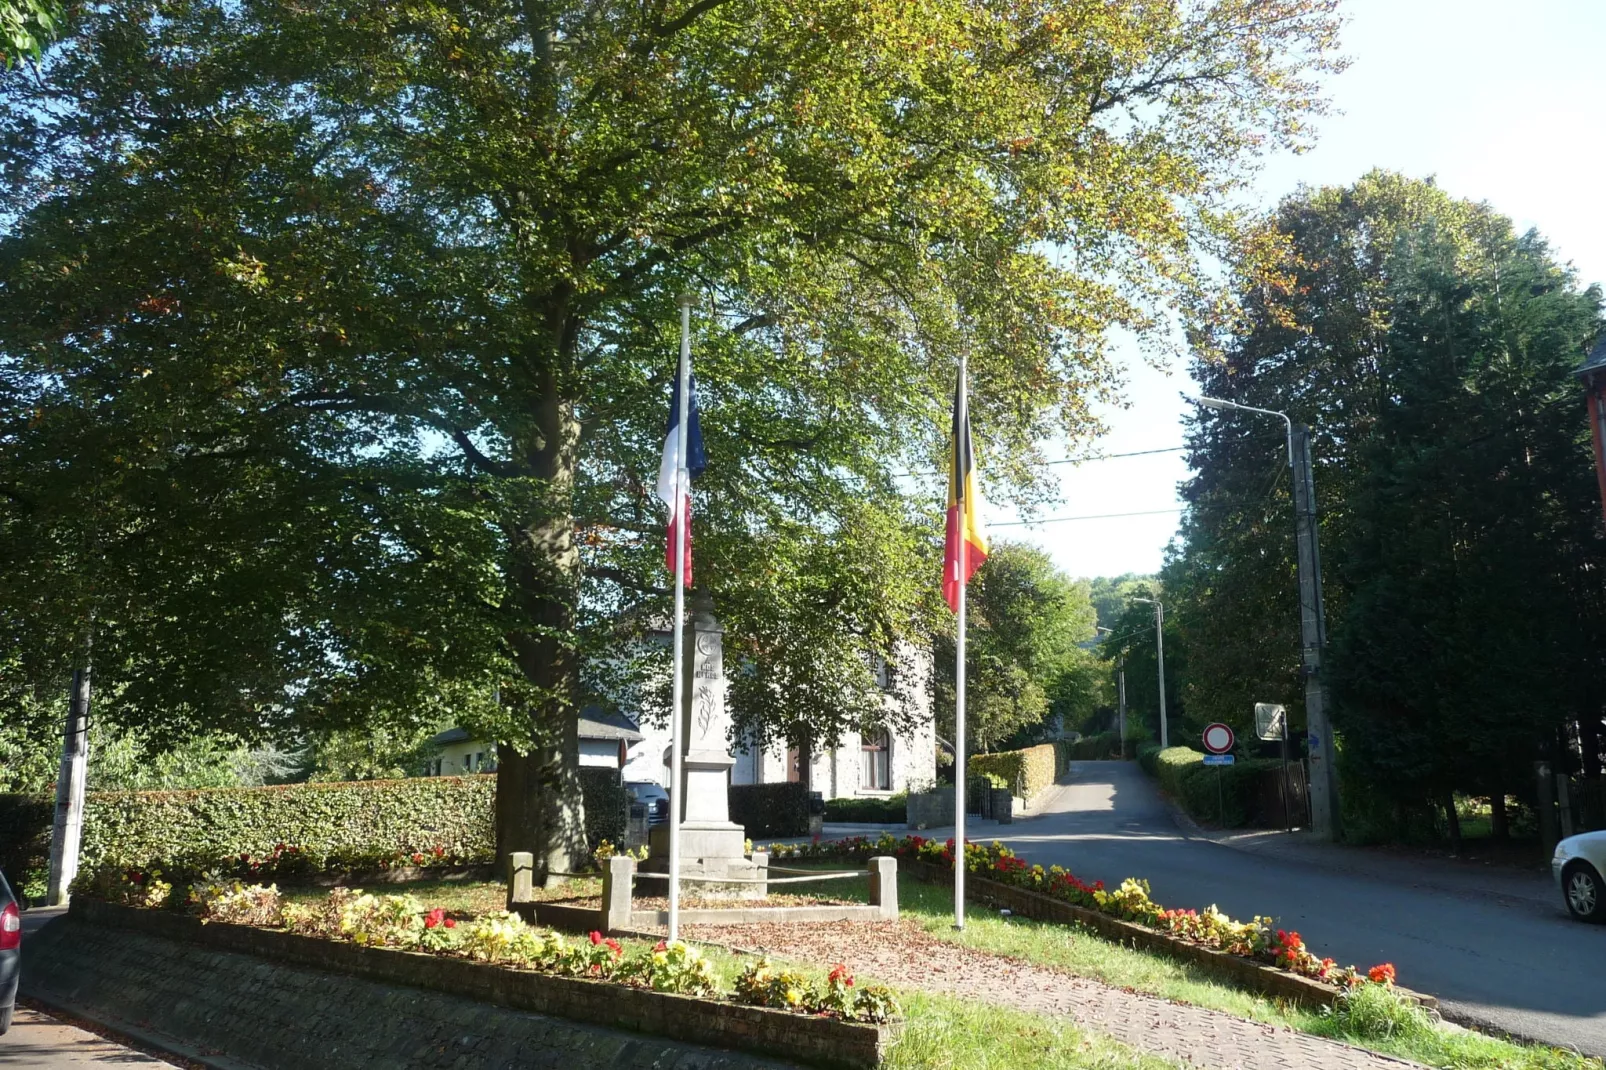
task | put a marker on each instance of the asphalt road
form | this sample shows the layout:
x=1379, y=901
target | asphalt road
x=38, y=1042
x=1516, y=961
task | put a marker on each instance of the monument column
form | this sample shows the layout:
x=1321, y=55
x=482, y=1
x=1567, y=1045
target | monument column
x=710, y=843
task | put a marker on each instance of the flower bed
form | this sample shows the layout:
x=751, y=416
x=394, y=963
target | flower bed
x=402, y=923
x=1255, y=939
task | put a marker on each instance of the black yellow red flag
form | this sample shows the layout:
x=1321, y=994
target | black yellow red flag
x=967, y=535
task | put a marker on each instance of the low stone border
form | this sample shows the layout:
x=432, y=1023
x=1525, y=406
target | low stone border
x=821, y=1041
x=583, y=919
x=1268, y=980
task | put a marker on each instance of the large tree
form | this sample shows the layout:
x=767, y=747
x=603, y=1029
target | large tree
x=337, y=337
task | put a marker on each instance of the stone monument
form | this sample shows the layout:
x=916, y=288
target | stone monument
x=711, y=845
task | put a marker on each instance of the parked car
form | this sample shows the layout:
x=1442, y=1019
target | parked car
x=1578, y=864
x=651, y=795
x=10, y=952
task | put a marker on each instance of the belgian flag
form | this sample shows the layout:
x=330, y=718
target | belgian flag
x=967, y=537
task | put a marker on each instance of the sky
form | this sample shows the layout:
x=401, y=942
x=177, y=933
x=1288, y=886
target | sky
x=1499, y=100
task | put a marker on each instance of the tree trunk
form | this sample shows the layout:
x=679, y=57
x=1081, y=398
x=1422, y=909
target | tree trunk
x=538, y=803
x=1499, y=823
x=1452, y=821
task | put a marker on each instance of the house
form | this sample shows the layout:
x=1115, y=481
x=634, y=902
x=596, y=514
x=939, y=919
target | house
x=607, y=740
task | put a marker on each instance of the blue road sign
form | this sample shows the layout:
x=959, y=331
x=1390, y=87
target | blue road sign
x=1218, y=759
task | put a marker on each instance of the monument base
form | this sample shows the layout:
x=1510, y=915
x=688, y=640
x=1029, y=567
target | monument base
x=707, y=849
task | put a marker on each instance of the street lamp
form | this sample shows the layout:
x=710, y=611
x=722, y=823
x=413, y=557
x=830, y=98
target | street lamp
x=1312, y=619
x=1159, y=657
x=1120, y=689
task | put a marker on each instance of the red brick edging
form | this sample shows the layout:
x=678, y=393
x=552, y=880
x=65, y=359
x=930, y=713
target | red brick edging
x=821, y=1041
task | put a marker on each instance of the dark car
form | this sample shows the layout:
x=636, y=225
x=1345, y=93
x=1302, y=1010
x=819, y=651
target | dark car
x=653, y=797
x=10, y=952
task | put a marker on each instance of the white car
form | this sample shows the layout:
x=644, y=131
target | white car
x=1578, y=865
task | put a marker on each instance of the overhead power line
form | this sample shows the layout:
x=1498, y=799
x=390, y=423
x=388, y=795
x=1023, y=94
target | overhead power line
x=1068, y=519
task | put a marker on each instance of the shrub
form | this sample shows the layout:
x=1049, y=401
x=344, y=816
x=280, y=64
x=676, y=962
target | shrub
x=770, y=809
x=1172, y=765
x=889, y=810
x=1148, y=758
x=1094, y=748
x=25, y=841
x=334, y=825
x=764, y=986
x=1234, y=801
x=1025, y=772
x=673, y=966
x=236, y=903
x=607, y=805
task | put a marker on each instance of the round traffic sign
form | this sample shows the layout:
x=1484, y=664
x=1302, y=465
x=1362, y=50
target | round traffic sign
x=1218, y=738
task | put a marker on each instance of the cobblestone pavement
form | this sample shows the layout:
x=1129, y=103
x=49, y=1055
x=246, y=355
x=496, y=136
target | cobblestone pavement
x=904, y=955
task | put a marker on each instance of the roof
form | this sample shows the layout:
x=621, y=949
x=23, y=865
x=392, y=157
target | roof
x=595, y=723
x=1596, y=361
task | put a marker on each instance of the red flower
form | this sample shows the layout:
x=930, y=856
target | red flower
x=662, y=945
x=613, y=945
x=840, y=973
x=435, y=917
x=596, y=938
x=450, y=923
x=439, y=850
x=1382, y=974
x=418, y=858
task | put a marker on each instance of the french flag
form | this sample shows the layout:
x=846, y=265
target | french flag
x=696, y=461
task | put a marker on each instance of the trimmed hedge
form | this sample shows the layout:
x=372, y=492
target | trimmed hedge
x=889, y=810
x=1227, y=796
x=334, y=825
x=1148, y=758
x=1025, y=772
x=25, y=822
x=607, y=805
x=1095, y=748
x=770, y=809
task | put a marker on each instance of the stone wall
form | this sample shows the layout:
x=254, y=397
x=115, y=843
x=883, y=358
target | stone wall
x=233, y=1010
x=815, y=1040
x=931, y=809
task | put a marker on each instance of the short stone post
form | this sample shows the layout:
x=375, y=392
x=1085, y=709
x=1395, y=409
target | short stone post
x=884, y=886
x=618, y=885
x=520, y=878
x=1003, y=806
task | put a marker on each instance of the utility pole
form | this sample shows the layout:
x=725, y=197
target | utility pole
x=67, y=830
x=1120, y=699
x=1312, y=641
x=1159, y=657
x=1324, y=809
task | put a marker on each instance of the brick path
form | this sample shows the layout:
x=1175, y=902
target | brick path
x=904, y=955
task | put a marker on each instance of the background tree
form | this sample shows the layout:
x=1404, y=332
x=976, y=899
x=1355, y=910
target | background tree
x=1025, y=621
x=25, y=26
x=337, y=337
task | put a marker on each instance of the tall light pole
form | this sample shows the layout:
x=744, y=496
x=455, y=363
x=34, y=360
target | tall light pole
x=1312, y=621
x=1120, y=690
x=1159, y=657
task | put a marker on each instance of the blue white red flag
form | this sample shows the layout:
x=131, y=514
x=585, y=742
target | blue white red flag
x=696, y=461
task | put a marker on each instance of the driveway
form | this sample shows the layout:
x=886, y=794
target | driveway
x=1500, y=950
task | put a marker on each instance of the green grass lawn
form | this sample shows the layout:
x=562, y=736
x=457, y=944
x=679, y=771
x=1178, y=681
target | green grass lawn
x=1078, y=951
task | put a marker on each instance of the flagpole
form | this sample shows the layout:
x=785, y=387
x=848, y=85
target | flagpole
x=962, y=429
x=678, y=687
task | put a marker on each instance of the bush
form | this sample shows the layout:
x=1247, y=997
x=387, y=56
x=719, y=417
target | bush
x=1094, y=748
x=25, y=822
x=889, y=810
x=1227, y=796
x=1026, y=772
x=770, y=809
x=1172, y=765
x=1148, y=758
x=607, y=805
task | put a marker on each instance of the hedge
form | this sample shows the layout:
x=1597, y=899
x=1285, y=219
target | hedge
x=334, y=825
x=771, y=809
x=1148, y=758
x=881, y=810
x=1219, y=795
x=25, y=822
x=1027, y=772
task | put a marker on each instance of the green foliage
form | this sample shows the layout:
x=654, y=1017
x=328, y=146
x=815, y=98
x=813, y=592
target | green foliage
x=25, y=27
x=1025, y=772
x=770, y=809
x=607, y=805
x=1026, y=618
x=1225, y=796
x=1172, y=764
x=1095, y=748
x=1431, y=348
x=130, y=829
x=335, y=353
x=892, y=809
x=1131, y=642
x=1149, y=758
x=25, y=822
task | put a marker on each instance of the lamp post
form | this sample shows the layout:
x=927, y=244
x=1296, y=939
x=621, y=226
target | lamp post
x=1312, y=620
x=1159, y=657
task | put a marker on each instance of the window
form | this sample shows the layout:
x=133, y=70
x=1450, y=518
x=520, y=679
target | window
x=876, y=770
x=477, y=762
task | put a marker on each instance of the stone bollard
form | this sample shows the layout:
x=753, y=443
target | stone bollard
x=520, y=878
x=618, y=885
x=1003, y=806
x=884, y=886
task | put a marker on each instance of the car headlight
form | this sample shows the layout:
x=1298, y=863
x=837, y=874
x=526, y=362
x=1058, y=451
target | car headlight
x=1563, y=850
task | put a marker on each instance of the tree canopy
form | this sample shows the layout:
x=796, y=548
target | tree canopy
x=335, y=339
